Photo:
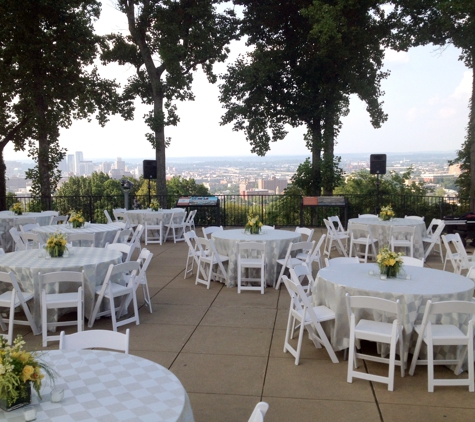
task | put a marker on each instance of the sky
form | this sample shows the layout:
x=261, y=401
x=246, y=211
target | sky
x=426, y=99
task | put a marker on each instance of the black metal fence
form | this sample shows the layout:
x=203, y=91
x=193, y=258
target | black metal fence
x=278, y=210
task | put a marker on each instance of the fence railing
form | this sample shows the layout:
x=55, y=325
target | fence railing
x=233, y=210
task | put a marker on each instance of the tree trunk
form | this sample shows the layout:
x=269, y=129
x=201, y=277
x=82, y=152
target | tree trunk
x=328, y=176
x=316, y=133
x=471, y=139
x=160, y=154
x=3, y=178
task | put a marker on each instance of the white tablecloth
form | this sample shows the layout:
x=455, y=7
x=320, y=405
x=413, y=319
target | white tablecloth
x=139, y=216
x=277, y=243
x=381, y=230
x=332, y=284
x=26, y=265
x=8, y=219
x=109, y=386
x=104, y=233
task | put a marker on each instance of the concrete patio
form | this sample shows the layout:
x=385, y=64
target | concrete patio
x=227, y=350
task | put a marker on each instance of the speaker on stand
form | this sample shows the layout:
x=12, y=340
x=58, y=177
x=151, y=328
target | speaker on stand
x=377, y=166
x=149, y=172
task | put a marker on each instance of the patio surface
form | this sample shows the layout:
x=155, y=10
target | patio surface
x=227, y=350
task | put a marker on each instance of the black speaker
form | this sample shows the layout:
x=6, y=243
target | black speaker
x=377, y=163
x=149, y=169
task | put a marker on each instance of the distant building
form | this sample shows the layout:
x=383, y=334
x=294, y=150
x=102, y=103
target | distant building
x=254, y=192
x=71, y=167
x=105, y=167
x=273, y=184
x=119, y=164
x=78, y=158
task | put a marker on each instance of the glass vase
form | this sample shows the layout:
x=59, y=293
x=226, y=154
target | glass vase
x=390, y=271
x=23, y=399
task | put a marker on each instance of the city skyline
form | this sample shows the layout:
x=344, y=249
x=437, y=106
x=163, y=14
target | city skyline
x=426, y=99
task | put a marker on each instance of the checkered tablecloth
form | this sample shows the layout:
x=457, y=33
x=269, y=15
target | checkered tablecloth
x=104, y=233
x=109, y=386
x=93, y=261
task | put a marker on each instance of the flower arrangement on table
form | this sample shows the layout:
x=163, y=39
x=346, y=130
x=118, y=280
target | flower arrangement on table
x=76, y=219
x=386, y=213
x=389, y=262
x=56, y=244
x=17, y=208
x=19, y=370
x=253, y=225
x=154, y=205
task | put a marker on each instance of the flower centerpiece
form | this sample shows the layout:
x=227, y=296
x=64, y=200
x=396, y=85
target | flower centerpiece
x=389, y=262
x=386, y=213
x=17, y=208
x=77, y=219
x=56, y=245
x=19, y=371
x=253, y=225
x=154, y=205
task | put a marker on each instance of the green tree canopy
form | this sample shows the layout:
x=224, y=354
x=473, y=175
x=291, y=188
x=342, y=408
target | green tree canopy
x=168, y=41
x=51, y=46
x=307, y=58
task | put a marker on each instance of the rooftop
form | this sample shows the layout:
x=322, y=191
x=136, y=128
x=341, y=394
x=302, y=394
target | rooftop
x=227, y=350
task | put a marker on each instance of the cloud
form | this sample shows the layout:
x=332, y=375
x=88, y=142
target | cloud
x=464, y=88
x=392, y=56
x=412, y=114
x=446, y=112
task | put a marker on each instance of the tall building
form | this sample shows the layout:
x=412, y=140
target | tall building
x=77, y=161
x=272, y=184
x=71, y=167
x=119, y=164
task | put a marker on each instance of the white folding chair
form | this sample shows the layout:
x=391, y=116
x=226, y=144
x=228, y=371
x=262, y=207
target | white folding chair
x=377, y=331
x=210, y=260
x=412, y=262
x=13, y=298
x=111, y=290
x=336, y=222
x=451, y=252
x=432, y=239
x=305, y=233
x=342, y=260
x=367, y=216
x=251, y=257
x=334, y=237
x=402, y=237
x=56, y=294
x=82, y=239
x=127, y=250
x=190, y=220
x=120, y=215
x=360, y=235
x=290, y=261
x=19, y=244
x=309, y=317
x=259, y=412
x=124, y=236
x=434, y=332
x=414, y=217
x=24, y=221
x=153, y=229
x=31, y=240
x=177, y=226
x=314, y=256
x=207, y=231
x=95, y=339
x=138, y=233
x=108, y=217
x=264, y=227
x=194, y=252
x=144, y=260
x=59, y=219
x=25, y=228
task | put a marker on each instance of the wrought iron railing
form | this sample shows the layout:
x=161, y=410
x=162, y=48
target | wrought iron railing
x=279, y=210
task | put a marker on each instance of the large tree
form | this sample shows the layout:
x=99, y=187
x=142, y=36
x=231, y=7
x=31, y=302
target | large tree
x=307, y=58
x=168, y=41
x=50, y=46
x=443, y=22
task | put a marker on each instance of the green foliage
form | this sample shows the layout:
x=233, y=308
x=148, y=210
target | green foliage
x=178, y=186
x=168, y=41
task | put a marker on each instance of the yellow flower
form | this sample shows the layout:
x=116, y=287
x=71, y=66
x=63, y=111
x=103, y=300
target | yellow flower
x=27, y=372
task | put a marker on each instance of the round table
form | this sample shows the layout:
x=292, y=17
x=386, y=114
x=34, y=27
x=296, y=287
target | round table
x=26, y=265
x=103, y=233
x=381, y=231
x=109, y=386
x=277, y=243
x=332, y=284
x=8, y=220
